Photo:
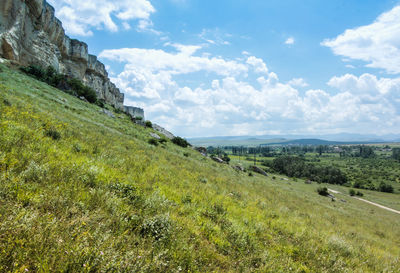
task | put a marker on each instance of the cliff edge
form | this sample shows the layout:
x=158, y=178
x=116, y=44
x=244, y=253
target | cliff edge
x=31, y=34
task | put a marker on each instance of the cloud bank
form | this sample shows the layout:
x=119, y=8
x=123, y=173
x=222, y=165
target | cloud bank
x=242, y=96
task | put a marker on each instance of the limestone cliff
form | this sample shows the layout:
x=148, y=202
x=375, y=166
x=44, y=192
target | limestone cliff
x=31, y=34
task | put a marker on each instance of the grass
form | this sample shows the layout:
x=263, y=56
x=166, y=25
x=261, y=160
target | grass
x=94, y=196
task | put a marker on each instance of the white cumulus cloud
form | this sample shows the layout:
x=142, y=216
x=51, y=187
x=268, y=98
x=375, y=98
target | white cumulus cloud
x=258, y=65
x=289, y=41
x=81, y=17
x=378, y=44
x=298, y=82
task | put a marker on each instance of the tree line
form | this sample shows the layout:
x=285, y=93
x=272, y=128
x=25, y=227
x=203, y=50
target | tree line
x=294, y=166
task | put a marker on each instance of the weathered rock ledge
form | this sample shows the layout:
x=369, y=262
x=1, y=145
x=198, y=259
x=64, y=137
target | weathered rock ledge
x=31, y=34
x=134, y=112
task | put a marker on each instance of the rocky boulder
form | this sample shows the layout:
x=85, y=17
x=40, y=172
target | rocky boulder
x=154, y=135
x=258, y=170
x=217, y=159
x=238, y=168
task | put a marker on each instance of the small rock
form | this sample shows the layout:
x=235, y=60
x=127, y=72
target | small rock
x=239, y=168
x=201, y=150
x=155, y=136
x=108, y=113
x=258, y=170
x=217, y=159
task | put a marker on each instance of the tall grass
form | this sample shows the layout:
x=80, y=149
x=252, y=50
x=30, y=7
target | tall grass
x=94, y=196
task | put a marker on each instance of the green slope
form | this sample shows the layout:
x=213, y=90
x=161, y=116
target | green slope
x=83, y=192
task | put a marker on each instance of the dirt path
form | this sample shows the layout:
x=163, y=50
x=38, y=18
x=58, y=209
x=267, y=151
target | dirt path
x=369, y=202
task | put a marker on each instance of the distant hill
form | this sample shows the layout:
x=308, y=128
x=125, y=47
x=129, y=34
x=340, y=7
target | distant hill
x=257, y=141
x=315, y=141
x=233, y=141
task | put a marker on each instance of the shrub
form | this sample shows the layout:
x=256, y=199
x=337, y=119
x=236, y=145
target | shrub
x=352, y=192
x=226, y=158
x=82, y=90
x=138, y=118
x=153, y=141
x=215, y=212
x=77, y=148
x=50, y=76
x=186, y=154
x=187, y=199
x=148, y=124
x=101, y=103
x=203, y=180
x=180, y=142
x=158, y=227
x=383, y=187
x=323, y=191
x=126, y=191
x=6, y=102
x=396, y=154
x=358, y=193
x=34, y=70
x=118, y=111
x=53, y=133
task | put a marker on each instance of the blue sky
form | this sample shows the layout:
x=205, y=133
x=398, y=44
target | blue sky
x=208, y=68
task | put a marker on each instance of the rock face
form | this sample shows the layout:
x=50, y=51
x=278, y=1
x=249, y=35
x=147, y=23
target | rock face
x=163, y=131
x=31, y=34
x=134, y=112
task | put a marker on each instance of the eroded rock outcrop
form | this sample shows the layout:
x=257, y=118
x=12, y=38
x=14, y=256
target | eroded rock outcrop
x=163, y=131
x=134, y=112
x=31, y=34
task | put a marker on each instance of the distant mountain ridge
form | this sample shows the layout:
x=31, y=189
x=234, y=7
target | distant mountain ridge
x=333, y=139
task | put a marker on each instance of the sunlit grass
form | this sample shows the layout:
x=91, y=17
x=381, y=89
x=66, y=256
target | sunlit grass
x=99, y=197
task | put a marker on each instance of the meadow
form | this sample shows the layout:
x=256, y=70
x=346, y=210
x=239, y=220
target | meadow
x=361, y=173
x=84, y=192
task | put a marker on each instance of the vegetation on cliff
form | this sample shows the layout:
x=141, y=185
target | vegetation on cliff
x=70, y=85
x=84, y=192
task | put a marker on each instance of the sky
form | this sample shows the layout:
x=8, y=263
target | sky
x=233, y=67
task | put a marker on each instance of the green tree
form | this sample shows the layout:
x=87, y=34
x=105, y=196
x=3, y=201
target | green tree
x=396, y=153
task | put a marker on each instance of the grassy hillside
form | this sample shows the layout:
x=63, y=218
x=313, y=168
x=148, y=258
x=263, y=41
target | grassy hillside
x=83, y=192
